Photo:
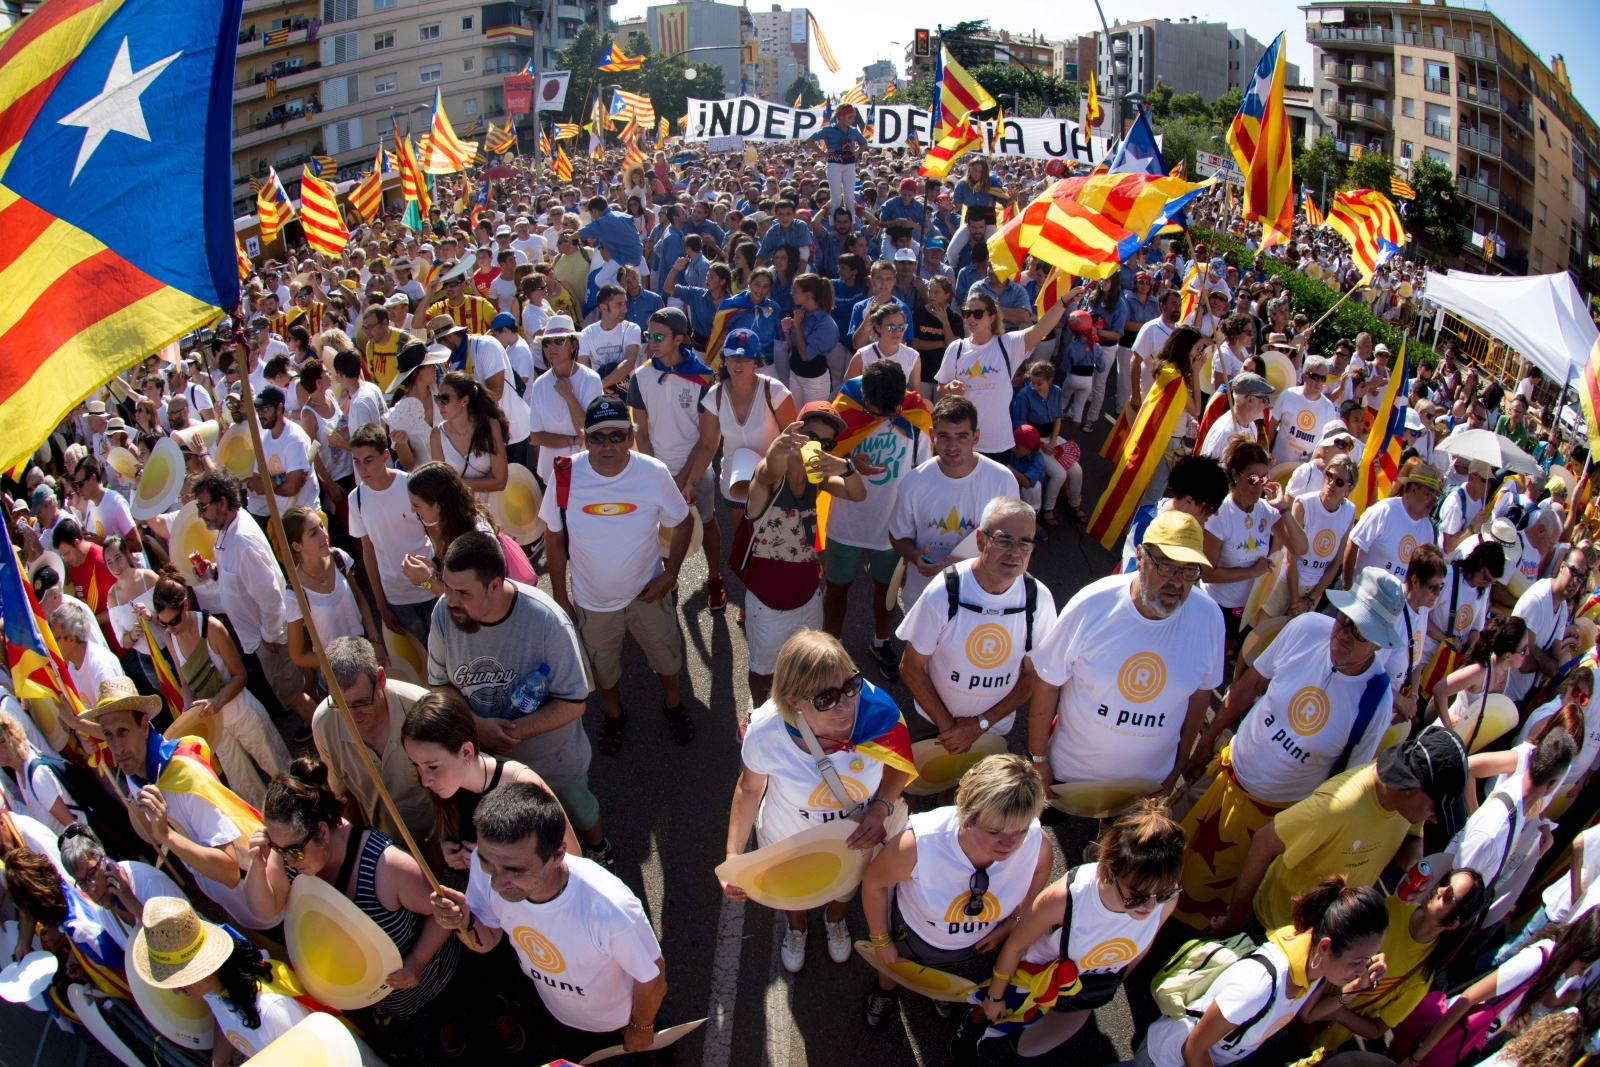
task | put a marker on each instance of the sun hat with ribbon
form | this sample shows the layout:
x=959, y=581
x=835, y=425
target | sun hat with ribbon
x=175, y=946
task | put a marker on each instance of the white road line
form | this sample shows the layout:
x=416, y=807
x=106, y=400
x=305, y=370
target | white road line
x=784, y=1047
x=655, y=892
x=718, y=1047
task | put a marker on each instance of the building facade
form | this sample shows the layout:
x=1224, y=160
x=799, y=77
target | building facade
x=711, y=32
x=1460, y=87
x=876, y=77
x=785, y=49
x=1191, y=56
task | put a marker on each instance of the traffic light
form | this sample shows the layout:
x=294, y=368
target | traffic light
x=923, y=47
x=752, y=52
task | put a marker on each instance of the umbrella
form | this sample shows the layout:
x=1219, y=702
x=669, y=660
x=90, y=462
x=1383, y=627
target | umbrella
x=1497, y=450
x=499, y=172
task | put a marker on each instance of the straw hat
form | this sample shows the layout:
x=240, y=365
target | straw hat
x=119, y=694
x=175, y=947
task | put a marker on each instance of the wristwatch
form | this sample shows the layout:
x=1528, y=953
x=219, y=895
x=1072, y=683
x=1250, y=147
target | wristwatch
x=983, y=722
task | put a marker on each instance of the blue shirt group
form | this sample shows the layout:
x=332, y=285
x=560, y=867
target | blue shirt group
x=616, y=230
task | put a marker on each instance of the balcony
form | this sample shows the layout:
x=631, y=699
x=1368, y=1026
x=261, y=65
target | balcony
x=570, y=11
x=504, y=66
x=1360, y=114
x=1478, y=142
x=1517, y=162
x=1516, y=211
x=1477, y=95
x=255, y=43
x=1441, y=130
x=1476, y=190
x=1520, y=113
x=1119, y=47
x=1357, y=74
x=255, y=88
x=1352, y=37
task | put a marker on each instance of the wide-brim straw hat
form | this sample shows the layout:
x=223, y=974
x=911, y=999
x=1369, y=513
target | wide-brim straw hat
x=119, y=694
x=175, y=946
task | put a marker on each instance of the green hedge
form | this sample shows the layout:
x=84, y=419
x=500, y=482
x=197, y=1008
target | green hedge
x=1314, y=299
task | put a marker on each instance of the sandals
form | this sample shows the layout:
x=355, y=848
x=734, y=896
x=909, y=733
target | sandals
x=1082, y=519
x=611, y=730
x=1049, y=518
x=679, y=723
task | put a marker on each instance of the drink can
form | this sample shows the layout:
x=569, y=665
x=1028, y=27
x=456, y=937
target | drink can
x=1415, y=879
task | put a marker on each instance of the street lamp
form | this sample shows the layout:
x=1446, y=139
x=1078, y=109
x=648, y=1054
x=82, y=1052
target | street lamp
x=689, y=74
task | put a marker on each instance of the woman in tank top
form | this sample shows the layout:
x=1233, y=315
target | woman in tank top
x=132, y=582
x=953, y=884
x=336, y=608
x=888, y=324
x=751, y=408
x=1098, y=920
x=212, y=673
x=304, y=832
x=441, y=740
x=318, y=414
x=1326, y=517
x=472, y=436
x=1502, y=647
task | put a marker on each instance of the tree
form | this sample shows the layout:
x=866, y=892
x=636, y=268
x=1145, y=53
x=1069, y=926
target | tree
x=1311, y=164
x=1372, y=171
x=806, y=89
x=962, y=39
x=1224, y=107
x=1032, y=89
x=1436, y=216
x=662, y=80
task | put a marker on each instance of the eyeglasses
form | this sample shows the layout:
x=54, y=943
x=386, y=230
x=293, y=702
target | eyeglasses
x=1137, y=899
x=600, y=437
x=828, y=699
x=1578, y=697
x=1344, y=620
x=202, y=505
x=1189, y=572
x=978, y=888
x=1007, y=545
x=292, y=852
x=973, y=313
x=1316, y=377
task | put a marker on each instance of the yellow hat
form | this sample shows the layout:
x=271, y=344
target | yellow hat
x=813, y=867
x=161, y=483
x=119, y=694
x=938, y=770
x=1179, y=536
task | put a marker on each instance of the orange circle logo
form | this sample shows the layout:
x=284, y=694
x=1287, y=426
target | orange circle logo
x=540, y=953
x=1306, y=420
x=1108, y=954
x=1408, y=545
x=822, y=796
x=988, y=646
x=956, y=912
x=1142, y=677
x=1322, y=544
x=607, y=511
x=237, y=1040
x=1308, y=710
x=1464, y=616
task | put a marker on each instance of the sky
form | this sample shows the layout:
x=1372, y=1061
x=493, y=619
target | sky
x=862, y=32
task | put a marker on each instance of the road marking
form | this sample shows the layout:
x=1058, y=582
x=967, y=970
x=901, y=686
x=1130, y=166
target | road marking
x=718, y=1047
x=655, y=895
x=784, y=1049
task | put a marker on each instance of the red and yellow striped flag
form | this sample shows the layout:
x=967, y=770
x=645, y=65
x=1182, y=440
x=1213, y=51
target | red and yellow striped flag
x=1261, y=142
x=1050, y=293
x=544, y=142
x=1145, y=446
x=498, y=140
x=637, y=105
x=567, y=131
x=1380, y=461
x=1589, y=396
x=319, y=215
x=413, y=183
x=1314, y=216
x=171, y=691
x=245, y=267
x=1367, y=219
x=367, y=196
x=562, y=165
x=663, y=129
x=617, y=60
x=959, y=94
x=821, y=42
x=963, y=138
x=446, y=153
x=273, y=206
x=1401, y=189
x=635, y=156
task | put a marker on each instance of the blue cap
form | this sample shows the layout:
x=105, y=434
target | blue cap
x=934, y=242
x=742, y=343
x=503, y=321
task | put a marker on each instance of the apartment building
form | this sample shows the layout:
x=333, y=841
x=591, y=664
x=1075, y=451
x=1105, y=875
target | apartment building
x=1459, y=86
x=1191, y=56
x=332, y=77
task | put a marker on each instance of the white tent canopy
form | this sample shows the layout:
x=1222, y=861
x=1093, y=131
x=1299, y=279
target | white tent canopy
x=1543, y=317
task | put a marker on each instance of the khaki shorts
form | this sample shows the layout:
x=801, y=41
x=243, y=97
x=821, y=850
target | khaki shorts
x=654, y=625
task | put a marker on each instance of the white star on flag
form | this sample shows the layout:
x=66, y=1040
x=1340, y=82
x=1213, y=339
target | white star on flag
x=1261, y=86
x=117, y=107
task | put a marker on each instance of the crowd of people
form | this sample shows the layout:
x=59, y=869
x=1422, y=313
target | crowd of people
x=1353, y=754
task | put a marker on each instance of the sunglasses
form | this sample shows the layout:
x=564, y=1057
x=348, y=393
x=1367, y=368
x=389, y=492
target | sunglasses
x=895, y=327
x=1256, y=479
x=1140, y=898
x=1316, y=377
x=292, y=852
x=829, y=699
x=1578, y=697
x=977, y=888
x=444, y=398
x=175, y=620
x=600, y=437
x=656, y=337
x=973, y=313
x=1338, y=483
x=827, y=443
x=453, y=282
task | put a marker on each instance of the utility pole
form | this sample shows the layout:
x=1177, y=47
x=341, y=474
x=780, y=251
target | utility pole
x=1111, y=65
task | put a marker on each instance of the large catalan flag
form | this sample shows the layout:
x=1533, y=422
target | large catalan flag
x=617, y=60
x=638, y=106
x=446, y=153
x=319, y=215
x=367, y=196
x=1380, y=461
x=1142, y=451
x=97, y=99
x=1401, y=189
x=1261, y=140
x=1367, y=219
x=955, y=93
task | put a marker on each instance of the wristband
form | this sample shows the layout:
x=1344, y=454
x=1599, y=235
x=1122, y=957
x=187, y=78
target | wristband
x=641, y=1026
x=1005, y=977
x=880, y=940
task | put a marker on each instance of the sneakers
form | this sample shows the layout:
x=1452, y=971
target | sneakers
x=964, y=1045
x=507, y=1029
x=944, y=1008
x=878, y=1003
x=840, y=947
x=716, y=594
x=452, y=1040
x=601, y=853
x=887, y=659
x=794, y=950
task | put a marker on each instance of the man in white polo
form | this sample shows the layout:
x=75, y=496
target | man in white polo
x=1126, y=672
x=970, y=635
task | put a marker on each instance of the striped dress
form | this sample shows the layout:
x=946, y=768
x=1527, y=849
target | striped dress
x=404, y=928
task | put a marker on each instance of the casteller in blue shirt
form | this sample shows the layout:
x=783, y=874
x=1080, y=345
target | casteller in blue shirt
x=615, y=230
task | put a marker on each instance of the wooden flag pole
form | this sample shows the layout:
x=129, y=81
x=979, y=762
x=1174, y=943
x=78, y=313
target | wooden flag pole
x=335, y=691
x=1335, y=307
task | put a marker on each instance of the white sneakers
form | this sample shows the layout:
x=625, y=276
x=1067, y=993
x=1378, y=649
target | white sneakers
x=793, y=951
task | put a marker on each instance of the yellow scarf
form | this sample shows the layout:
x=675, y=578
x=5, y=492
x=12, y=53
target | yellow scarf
x=1296, y=946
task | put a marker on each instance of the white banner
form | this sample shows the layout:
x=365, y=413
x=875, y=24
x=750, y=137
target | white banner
x=894, y=126
x=552, y=91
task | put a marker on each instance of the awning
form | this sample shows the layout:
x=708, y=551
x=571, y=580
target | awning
x=1542, y=317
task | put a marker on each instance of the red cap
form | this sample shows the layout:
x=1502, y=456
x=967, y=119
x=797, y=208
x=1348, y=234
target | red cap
x=1080, y=321
x=821, y=409
x=1026, y=436
x=908, y=183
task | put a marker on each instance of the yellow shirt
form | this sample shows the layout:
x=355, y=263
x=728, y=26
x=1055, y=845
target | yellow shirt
x=381, y=363
x=1401, y=989
x=1339, y=829
x=474, y=312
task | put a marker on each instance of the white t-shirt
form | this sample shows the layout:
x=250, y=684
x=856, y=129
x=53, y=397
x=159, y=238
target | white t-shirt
x=1239, y=993
x=797, y=796
x=1246, y=536
x=1101, y=941
x=1323, y=530
x=1471, y=607
x=1300, y=423
x=531, y=246
x=938, y=512
x=975, y=657
x=278, y=1015
x=985, y=372
x=1307, y=478
x=1413, y=624
x=932, y=900
x=503, y=294
x=1125, y=680
x=1547, y=624
x=548, y=412
x=1494, y=845
x=520, y=359
x=98, y=664
x=40, y=791
x=1457, y=510
x=286, y=453
x=111, y=516
x=334, y=612
x=488, y=359
x=366, y=405
x=866, y=524
x=1288, y=743
x=604, y=349
x=534, y=317
x=386, y=517
x=1150, y=339
x=1558, y=897
x=1386, y=535
x=759, y=428
x=611, y=532
x=672, y=405
x=1221, y=433
x=584, y=949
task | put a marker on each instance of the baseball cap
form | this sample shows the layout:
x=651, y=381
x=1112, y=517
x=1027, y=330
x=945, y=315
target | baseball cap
x=1414, y=420
x=503, y=321
x=821, y=409
x=1026, y=436
x=1249, y=383
x=742, y=343
x=904, y=255
x=1179, y=537
x=503, y=231
x=1333, y=430
x=270, y=396
x=1480, y=468
x=398, y=300
x=1435, y=761
x=259, y=322
x=42, y=495
x=1374, y=605
x=604, y=412
x=908, y=183
x=934, y=242
x=673, y=319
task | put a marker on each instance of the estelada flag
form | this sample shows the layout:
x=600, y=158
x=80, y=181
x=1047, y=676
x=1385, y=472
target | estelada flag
x=562, y=165
x=96, y=101
x=879, y=732
x=1380, y=460
x=30, y=646
x=1147, y=443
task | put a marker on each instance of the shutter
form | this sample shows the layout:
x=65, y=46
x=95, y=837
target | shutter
x=337, y=92
x=340, y=48
x=341, y=136
x=339, y=10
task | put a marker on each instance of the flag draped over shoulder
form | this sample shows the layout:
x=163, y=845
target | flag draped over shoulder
x=880, y=731
x=1380, y=461
x=1367, y=219
x=915, y=414
x=446, y=153
x=1146, y=443
x=97, y=99
x=319, y=215
x=183, y=765
x=1261, y=142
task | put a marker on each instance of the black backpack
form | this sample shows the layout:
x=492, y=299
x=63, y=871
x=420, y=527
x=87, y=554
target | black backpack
x=1030, y=588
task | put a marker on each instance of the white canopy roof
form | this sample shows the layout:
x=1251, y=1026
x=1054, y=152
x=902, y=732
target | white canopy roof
x=1543, y=317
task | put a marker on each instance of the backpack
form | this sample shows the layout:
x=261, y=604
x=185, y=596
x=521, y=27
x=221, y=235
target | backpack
x=1190, y=974
x=952, y=588
x=1376, y=686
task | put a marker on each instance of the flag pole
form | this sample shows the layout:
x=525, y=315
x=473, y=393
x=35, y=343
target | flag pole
x=1335, y=307
x=335, y=691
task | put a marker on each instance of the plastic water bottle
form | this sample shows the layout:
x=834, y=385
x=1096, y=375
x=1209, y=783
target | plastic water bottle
x=531, y=693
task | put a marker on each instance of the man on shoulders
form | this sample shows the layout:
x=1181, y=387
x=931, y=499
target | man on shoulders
x=614, y=229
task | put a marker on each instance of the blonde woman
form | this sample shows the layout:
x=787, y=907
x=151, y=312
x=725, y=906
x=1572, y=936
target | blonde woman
x=42, y=791
x=801, y=750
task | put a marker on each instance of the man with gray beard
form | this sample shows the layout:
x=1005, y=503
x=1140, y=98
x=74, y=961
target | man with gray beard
x=1129, y=667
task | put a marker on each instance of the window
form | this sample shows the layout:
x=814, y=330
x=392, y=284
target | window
x=337, y=92
x=430, y=32
x=1564, y=189
x=469, y=106
x=1407, y=65
x=1408, y=107
x=382, y=41
x=466, y=23
x=341, y=136
x=384, y=83
x=1442, y=158
x=1544, y=167
x=1327, y=96
x=1437, y=71
x=385, y=128
x=1541, y=211
x=430, y=75
x=340, y=48
x=1563, y=233
x=339, y=10
x=382, y=5
x=467, y=64
x=1538, y=259
x=1408, y=150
